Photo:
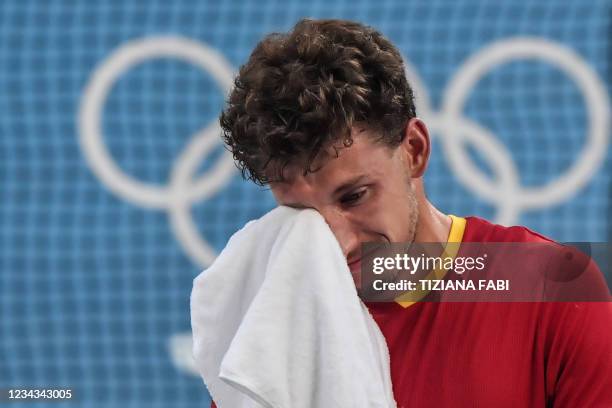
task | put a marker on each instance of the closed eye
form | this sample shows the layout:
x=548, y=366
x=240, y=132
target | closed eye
x=353, y=198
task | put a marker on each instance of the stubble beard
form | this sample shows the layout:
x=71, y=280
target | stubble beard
x=413, y=222
x=413, y=216
x=413, y=219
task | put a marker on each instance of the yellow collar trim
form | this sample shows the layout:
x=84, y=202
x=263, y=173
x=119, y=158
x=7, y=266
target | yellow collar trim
x=455, y=235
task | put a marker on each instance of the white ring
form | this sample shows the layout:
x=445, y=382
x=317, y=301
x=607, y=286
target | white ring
x=498, y=158
x=183, y=192
x=597, y=102
x=422, y=101
x=96, y=91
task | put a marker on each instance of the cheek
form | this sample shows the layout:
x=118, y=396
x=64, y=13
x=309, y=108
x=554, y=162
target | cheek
x=392, y=213
x=378, y=217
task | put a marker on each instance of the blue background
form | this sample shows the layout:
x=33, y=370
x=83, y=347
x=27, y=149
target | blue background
x=93, y=286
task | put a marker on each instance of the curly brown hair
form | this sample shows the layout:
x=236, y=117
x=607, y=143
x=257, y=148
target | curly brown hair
x=302, y=91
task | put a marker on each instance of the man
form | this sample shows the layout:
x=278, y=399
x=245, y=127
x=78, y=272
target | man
x=325, y=116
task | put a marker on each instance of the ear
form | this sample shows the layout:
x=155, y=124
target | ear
x=416, y=146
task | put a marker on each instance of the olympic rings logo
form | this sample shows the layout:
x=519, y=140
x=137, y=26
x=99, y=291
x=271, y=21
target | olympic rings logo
x=454, y=129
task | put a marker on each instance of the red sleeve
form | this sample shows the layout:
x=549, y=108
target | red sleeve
x=579, y=366
x=212, y=404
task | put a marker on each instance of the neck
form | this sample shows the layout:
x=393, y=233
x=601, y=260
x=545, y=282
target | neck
x=433, y=225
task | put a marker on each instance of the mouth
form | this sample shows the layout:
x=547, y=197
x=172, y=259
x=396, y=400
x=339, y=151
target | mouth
x=355, y=269
x=354, y=262
x=370, y=247
x=355, y=265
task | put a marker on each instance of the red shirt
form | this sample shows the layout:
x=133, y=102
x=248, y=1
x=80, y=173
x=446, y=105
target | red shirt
x=499, y=354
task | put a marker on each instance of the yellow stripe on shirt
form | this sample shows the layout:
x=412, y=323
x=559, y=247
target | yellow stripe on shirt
x=455, y=236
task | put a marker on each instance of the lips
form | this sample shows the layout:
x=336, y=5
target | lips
x=355, y=265
x=355, y=269
x=354, y=262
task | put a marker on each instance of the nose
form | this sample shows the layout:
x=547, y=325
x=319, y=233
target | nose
x=343, y=231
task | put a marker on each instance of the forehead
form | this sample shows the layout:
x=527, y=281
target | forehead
x=363, y=158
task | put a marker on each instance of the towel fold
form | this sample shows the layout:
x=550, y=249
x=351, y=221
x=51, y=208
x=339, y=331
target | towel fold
x=277, y=321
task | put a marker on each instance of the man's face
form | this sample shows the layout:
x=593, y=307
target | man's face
x=365, y=195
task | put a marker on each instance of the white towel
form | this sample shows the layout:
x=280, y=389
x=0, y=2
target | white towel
x=277, y=321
